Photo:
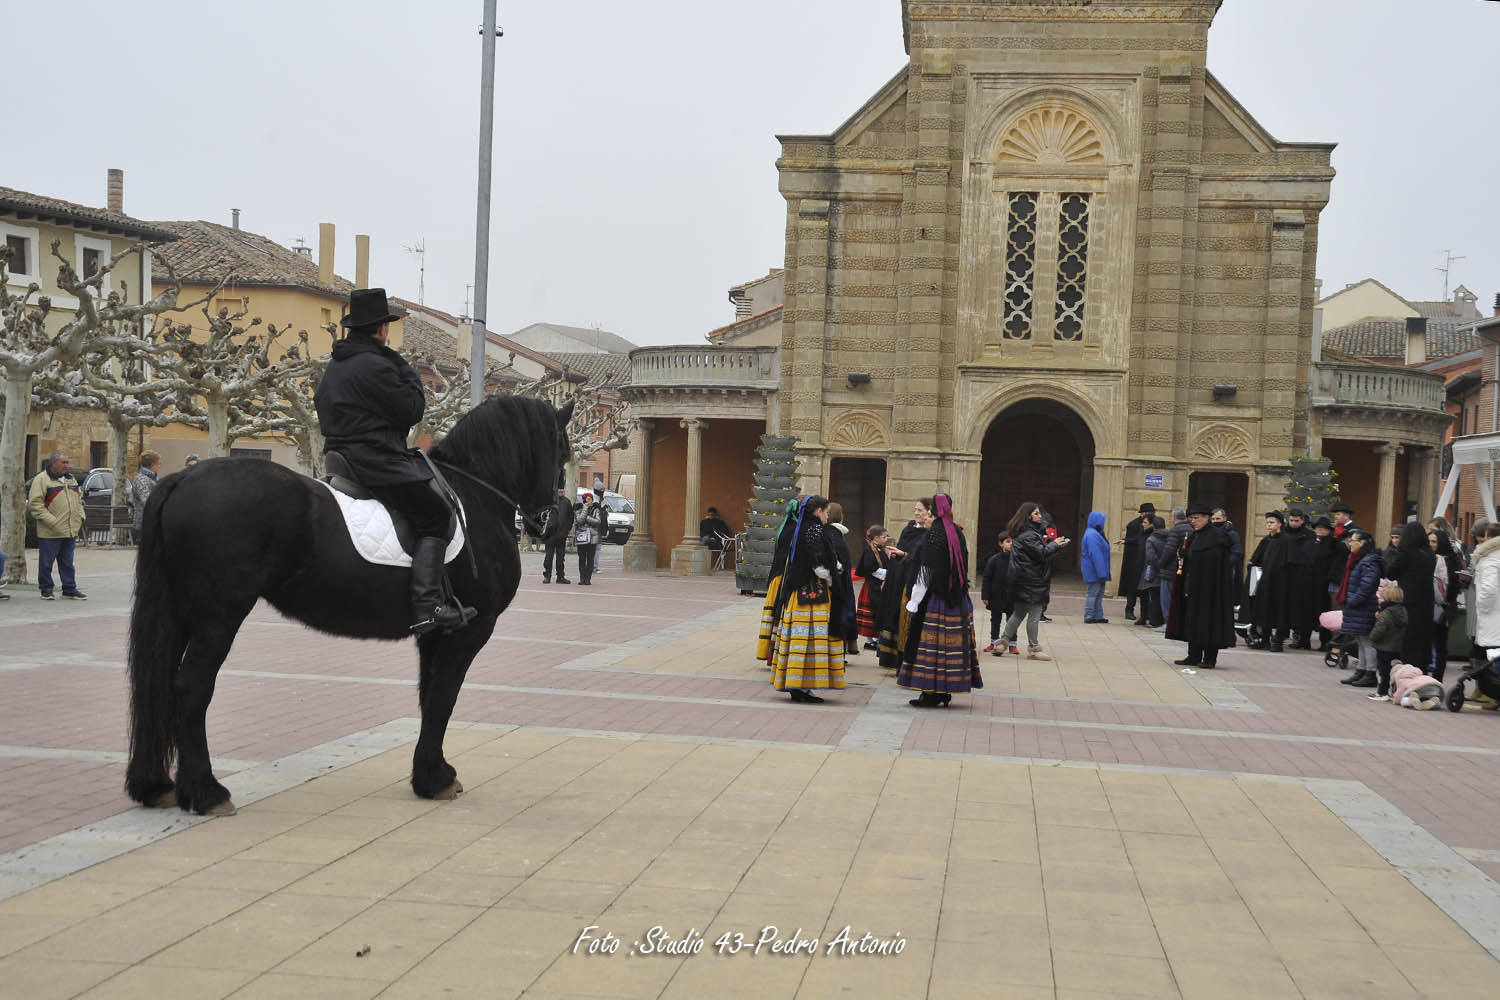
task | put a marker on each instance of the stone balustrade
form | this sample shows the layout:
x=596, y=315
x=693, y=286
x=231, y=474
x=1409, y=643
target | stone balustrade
x=1343, y=384
x=705, y=367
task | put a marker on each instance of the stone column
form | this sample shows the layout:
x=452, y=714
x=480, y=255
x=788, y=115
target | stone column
x=1427, y=483
x=690, y=557
x=640, y=551
x=1386, y=497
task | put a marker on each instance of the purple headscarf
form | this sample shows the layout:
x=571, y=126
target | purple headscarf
x=942, y=509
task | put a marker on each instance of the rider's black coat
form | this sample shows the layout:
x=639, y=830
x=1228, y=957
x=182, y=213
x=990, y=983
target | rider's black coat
x=367, y=401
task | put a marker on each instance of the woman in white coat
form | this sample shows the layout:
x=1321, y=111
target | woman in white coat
x=1487, y=594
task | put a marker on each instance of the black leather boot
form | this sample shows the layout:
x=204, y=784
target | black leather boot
x=429, y=609
x=1357, y=679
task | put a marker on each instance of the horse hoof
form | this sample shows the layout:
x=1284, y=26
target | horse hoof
x=166, y=800
x=225, y=808
x=453, y=791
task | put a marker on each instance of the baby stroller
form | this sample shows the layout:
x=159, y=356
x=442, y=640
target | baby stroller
x=1339, y=645
x=1485, y=679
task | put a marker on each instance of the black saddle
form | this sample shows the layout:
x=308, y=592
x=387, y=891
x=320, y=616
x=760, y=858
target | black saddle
x=340, y=475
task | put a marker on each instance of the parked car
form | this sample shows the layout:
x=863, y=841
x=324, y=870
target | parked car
x=619, y=512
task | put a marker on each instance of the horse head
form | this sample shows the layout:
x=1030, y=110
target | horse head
x=519, y=445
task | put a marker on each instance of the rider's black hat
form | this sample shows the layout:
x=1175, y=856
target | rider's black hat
x=368, y=307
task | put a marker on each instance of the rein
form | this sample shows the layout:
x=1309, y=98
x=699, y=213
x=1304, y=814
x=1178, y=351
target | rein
x=536, y=527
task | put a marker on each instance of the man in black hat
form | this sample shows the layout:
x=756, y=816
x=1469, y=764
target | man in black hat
x=367, y=402
x=1343, y=520
x=1205, y=604
x=1130, y=566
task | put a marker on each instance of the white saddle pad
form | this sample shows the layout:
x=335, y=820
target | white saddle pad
x=374, y=534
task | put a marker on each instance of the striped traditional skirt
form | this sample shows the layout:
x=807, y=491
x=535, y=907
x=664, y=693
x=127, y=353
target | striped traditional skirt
x=765, y=643
x=947, y=659
x=806, y=656
x=864, y=613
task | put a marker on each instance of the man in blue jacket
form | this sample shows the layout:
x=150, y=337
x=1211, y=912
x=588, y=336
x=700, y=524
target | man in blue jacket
x=1095, y=557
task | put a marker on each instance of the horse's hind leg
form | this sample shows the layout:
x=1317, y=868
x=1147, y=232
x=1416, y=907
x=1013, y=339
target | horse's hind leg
x=197, y=789
x=445, y=661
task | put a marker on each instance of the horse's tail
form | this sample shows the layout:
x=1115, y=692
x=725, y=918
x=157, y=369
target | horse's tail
x=158, y=638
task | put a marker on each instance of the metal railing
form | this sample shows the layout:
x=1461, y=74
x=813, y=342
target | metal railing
x=710, y=367
x=1377, y=385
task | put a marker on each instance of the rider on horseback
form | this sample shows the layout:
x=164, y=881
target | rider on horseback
x=367, y=402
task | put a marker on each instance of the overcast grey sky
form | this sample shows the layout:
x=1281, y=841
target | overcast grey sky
x=635, y=178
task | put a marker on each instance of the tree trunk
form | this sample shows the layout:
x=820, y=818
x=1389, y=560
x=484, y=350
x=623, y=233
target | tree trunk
x=310, y=449
x=119, y=434
x=13, y=475
x=218, y=427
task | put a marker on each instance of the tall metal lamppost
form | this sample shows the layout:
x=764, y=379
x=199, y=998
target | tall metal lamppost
x=482, y=223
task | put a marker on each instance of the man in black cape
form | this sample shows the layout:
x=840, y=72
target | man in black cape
x=1205, y=620
x=1303, y=594
x=1130, y=567
x=1271, y=611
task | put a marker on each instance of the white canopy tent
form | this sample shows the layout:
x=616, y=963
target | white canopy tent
x=1472, y=449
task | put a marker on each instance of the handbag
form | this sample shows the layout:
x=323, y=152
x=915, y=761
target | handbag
x=582, y=537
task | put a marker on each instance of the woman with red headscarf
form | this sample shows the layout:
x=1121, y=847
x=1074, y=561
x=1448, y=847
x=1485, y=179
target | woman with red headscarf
x=941, y=657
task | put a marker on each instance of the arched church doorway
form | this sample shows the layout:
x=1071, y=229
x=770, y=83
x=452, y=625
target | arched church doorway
x=1042, y=451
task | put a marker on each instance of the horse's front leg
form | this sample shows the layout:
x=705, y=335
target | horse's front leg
x=445, y=661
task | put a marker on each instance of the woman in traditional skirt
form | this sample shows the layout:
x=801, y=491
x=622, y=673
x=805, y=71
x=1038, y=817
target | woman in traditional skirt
x=890, y=613
x=872, y=569
x=809, y=632
x=941, y=657
x=765, y=645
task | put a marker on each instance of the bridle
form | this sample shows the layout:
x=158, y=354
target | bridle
x=536, y=527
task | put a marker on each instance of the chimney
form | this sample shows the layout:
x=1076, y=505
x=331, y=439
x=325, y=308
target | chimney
x=115, y=191
x=325, y=252
x=1416, y=340
x=234, y=214
x=361, y=262
x=1497, y=303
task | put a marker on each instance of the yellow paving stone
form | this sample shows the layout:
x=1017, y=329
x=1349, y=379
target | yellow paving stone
x=398, y=935
x=147, y=869
x=996, y=966
x=1450, y=976
x=259, y=936
x=1017, y=899
x=914, y=865
x=1141, y=818
x=1207, y=943
x=439, y=886
x=1062, y=843
x=620, y=975
x=1332, y=968
x=427, y=832
x=283, y=986
x=884, y=976
x=75, y=897
x=1186, y=920
x=155, y=981
x=511, y=856
x=1107, y=937
x=257, y=876
x=983, y=841
x=700, y=865
x=1122, y=975
x=18, y=930
x=295, y=848
x=49, y=979
x=994, y=875
x=998, y=923
x=553, y=895
x=1212, y=979
x=143, y=926
x=880, y=890
x=639, y=908
x=604, y=864
x=1118, y=878
x=502, y=949
x=737, y=977
x=1305, y=918
x=1068, y=903
x=371, y=870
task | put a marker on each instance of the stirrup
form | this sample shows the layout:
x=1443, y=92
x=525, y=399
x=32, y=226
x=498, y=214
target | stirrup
x=436, y=619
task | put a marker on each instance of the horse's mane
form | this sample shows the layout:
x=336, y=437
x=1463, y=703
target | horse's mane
x=504, y=439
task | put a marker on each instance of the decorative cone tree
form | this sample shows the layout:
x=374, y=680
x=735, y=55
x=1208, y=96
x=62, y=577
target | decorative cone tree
x=1313, y=487
x=775, y=484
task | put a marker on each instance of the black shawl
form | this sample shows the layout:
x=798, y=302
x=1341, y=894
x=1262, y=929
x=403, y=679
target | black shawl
x=1206, y=613
x=815, y=549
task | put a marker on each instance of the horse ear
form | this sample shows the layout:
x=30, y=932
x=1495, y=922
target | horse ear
x=565, y=414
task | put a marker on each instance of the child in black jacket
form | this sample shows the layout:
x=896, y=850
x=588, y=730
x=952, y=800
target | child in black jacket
x=995, y=588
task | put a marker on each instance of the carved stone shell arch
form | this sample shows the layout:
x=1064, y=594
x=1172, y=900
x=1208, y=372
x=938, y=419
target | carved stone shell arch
x=1051, y=134
x=860, y=430
x=1223, y=444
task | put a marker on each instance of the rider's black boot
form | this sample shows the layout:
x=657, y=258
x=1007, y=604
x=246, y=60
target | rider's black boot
x=429, y=610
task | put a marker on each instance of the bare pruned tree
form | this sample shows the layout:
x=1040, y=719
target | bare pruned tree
x=33, y=340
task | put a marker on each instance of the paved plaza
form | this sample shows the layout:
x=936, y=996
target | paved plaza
x=644, y=816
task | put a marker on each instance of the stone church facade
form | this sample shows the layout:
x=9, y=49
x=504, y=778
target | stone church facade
x=1053, y=259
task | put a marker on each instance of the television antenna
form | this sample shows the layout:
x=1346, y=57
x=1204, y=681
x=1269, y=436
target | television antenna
x=1448, y=260
x=419, y=251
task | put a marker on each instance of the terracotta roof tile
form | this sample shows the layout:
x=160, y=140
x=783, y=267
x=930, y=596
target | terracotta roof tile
x=607, y=370
x=205, y=252
x=1386, y=338
x=25, y=203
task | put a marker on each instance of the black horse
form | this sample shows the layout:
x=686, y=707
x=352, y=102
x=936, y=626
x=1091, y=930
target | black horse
x=217, y=538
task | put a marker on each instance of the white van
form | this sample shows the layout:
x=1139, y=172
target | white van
x=619, y=512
